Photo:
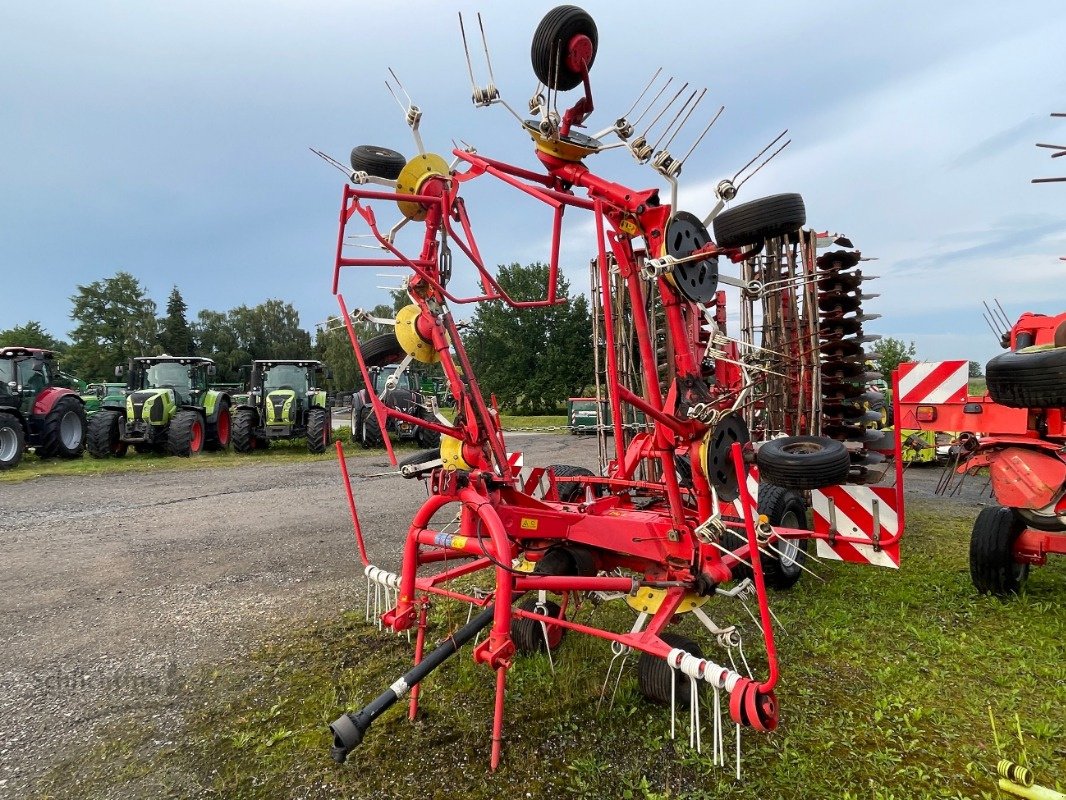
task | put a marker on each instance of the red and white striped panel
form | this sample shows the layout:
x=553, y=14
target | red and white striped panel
x=850, y=510
x=931, y=382
x=753, y=490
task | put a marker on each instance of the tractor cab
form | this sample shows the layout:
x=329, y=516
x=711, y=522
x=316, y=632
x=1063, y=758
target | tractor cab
x=185, y=377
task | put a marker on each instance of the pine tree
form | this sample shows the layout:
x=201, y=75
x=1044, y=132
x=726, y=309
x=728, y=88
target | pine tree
x=175, y=335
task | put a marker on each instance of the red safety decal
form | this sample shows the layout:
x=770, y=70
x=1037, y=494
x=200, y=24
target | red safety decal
x=849, y=511
x=932, y=382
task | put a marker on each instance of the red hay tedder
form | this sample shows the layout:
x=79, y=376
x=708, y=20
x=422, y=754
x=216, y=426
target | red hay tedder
x=721, y=444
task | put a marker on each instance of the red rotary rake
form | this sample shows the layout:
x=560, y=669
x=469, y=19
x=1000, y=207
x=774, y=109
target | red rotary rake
x=677, y=516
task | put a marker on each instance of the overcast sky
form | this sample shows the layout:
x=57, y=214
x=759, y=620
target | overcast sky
x=170, y=140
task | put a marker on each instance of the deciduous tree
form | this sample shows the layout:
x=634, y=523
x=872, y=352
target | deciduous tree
x=114, y=321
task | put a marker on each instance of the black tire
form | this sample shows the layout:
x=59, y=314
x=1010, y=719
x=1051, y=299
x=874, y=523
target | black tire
x=555, y=31
x=1034, y=377
x=65, y=429
x=424, y=436
x=993, y=569
x=803, y=462
x=569, y=491
x=318, y=433
x=372, y=437
x=12, y=441
x=219, y=432
x=186, y=435
x=787, y=509
x=654, y=676
x=421, y=457
x=528, y=635
x=381, y=162
x=749, y=224
x=382, y=350
x=243, y=433
x=102, y=436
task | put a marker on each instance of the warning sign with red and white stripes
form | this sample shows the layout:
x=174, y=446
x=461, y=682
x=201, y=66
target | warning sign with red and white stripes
x=864, y=514
x=932, y=382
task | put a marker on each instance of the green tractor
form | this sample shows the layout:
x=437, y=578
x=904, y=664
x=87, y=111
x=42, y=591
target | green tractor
x=168, y=408
x=98, y=395
x=36, y=410
x=284, y=401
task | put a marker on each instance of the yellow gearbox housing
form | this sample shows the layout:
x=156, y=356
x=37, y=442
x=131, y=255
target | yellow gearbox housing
x=451, y=453
x=410, y=339
x=418, y=170
x=647, y=600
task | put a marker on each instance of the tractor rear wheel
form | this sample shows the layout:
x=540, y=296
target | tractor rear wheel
x=371, y=430
x=64, y=430
x=380, y=162
x=803, y=462
x=318, y=433
x=220, y=432
x=186, y=434
x=993, y=569
x=750, y=224
x=103, y=435
x=243, y=431
x=655, y=677
x=424, y=436
x=12, y=441
x=1033, y=377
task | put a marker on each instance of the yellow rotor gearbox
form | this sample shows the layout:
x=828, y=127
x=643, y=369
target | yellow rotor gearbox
x=451, y=453
x=413, y=177
x=647, y=600
x=410, y=339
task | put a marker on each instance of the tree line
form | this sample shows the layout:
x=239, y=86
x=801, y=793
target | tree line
x=532, y=360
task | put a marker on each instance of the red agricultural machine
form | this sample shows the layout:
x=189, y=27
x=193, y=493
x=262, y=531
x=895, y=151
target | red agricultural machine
x=722, y=444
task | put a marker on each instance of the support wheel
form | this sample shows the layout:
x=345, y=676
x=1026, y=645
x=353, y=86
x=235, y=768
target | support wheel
x=750, y=224
x=318, y=433
x=243, y=433
x=12, y=441
x=654, y=675
x=103, y=435
x=64, y=430
x=186, y=435
x=564, y=47
x=528, y=635
x=993, y=569
x=381, y=162
x=803, y=462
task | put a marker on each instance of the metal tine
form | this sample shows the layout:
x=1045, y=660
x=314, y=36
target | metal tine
x=466, y=49
x=757, y=155
x=991, y=317
x=666, y=108
x=485, y=44
x=1003, y=314
x=684, y=122
x=654, y=100
x=769, y=158
x=729, y=552
x=699, y=138
x=995, y=332
x=633, y=107
x=332, y=161
x=677, y=116
x=797, y=563
x=388, y=86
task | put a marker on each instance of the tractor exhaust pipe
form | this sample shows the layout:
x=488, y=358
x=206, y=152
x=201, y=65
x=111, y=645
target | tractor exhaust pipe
x=349, y=729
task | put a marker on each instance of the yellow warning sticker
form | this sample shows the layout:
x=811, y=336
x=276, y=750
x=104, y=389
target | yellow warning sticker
x=458, y=542
x=628, y=226
x=529, y=524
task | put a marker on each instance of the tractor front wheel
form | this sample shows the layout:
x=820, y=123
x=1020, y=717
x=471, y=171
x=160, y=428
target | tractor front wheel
x=64, y=430
x=243, y=431
x=993, y=569
x=12, y=441
x=186, y=435
x=103, y=435
x=318, y=432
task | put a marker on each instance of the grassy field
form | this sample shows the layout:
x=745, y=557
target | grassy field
x=887, y=681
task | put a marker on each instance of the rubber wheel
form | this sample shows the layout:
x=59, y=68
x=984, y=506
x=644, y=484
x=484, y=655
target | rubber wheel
x=65, y=429
x=528, y=635
x=548, y=52
x=570, y=491
x=424, y=436
x=243, y=432
x=381, y=162
x=186, y=434
x=371, y=431
x=102, y=437
x=1034, y=377
x=318, y=433
x=220, y=432
x=421, y=457
x=993, y=569
x=749, y=224
x=785, y=508
x=803, y=462
x=382, y=350
x=12, y=441
x=654, y=676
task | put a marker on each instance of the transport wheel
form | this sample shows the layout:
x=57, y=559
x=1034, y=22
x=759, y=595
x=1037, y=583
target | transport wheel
x=556, y=57
x=12, y=441
x=381, y=162
x=318, y=434
x=786, y=509
x=220, y=432
x=993, y=569
x=64, y=430
x=242, y=433
x=749, y=224
x=103, y=436
x=654, y=676
x=528, y=635
x=421, y=457
x=1033, y=377
x=186, y=434
x=803, y=462
x=382, y=350
x=570, y=491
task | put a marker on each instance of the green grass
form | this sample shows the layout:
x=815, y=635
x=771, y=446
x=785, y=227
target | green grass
x=886, y=682
x=514, y=422
x=977, y=386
